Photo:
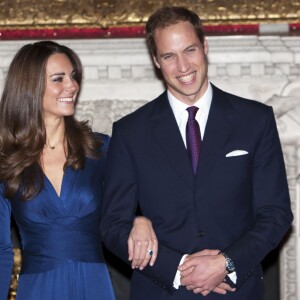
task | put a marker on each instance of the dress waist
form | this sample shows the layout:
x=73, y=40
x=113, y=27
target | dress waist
x=50, y=245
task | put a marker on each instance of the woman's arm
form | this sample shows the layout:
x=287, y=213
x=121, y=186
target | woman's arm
x=6, y=252
x=142, y=243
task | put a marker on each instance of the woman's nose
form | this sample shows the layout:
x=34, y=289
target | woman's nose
x=72, y=85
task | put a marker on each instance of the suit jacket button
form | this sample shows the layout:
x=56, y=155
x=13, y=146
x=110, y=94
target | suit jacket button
x=201, y=233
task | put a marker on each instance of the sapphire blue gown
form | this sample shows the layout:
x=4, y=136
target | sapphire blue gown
x=62, y=255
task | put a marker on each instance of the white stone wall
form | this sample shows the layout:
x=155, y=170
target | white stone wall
x=119, y=77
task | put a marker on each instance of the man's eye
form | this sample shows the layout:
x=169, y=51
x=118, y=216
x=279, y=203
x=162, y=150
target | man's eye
x=168, y=57
x=191, y=49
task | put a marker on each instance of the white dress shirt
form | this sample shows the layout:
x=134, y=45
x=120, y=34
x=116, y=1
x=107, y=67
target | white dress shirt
x=181, y=116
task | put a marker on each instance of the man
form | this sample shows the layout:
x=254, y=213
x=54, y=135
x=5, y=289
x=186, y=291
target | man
x=216, y=211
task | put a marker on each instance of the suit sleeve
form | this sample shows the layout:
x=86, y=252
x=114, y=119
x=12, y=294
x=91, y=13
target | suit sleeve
x=119, y=206
x=6, y=253
x=271, y=204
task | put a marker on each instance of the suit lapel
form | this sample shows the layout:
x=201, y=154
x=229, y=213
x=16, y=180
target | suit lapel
x=166, y=133
x=218, y=129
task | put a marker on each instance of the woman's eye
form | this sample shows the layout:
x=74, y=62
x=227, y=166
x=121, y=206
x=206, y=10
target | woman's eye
x=58, y=79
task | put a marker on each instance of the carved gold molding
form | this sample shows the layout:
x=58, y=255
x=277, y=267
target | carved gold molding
x=33, y=14
x=15, y=274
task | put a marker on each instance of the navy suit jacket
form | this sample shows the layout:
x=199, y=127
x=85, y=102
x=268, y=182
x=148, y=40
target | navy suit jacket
x=237, y=204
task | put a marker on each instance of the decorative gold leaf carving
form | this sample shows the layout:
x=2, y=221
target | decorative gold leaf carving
x=99, y=13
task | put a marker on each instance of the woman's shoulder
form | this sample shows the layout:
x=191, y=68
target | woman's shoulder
x=103, y=139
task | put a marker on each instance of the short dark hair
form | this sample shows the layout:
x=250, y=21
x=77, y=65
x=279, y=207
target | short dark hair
x=167, y=16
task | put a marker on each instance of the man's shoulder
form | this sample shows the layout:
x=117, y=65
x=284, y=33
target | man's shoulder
x=143, y=112
x=240, y=103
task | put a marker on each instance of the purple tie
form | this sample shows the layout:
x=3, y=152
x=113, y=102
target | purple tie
x=193, y=137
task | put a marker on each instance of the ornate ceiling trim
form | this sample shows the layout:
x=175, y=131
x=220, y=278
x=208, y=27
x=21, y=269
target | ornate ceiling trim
x=113, y=18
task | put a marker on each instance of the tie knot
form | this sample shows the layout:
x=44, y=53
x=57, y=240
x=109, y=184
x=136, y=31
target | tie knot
x=192, y=110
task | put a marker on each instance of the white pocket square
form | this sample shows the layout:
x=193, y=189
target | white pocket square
x=236, y=153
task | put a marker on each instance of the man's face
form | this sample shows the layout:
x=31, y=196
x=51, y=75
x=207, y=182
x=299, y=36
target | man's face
x=182, y=59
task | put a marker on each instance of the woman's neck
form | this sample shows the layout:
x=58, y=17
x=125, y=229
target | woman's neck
x=55, y=133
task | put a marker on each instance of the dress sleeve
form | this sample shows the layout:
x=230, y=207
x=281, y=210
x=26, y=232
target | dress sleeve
x=6, y=251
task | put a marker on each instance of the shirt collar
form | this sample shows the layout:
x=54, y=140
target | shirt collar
x=203, y=103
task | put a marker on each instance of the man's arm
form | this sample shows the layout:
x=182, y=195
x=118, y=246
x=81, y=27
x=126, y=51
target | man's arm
x=271, y=207
x=118, y=212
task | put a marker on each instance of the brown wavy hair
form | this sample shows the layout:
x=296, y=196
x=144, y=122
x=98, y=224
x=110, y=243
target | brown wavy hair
x=167, y=16
x=22, y=127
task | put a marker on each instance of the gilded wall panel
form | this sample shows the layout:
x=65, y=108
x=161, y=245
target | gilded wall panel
x=99, y=13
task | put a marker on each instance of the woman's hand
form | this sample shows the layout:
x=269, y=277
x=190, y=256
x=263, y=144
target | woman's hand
x=142, y=244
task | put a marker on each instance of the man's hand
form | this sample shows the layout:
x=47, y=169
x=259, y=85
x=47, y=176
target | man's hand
x=204, y=272
x=222, y=289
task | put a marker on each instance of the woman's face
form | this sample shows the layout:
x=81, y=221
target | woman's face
x=61, y=87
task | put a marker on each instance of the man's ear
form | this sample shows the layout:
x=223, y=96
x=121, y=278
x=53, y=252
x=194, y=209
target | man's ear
x=156, y=62
x=205, y=46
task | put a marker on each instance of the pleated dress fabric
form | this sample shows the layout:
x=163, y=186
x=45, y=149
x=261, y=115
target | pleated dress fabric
x=62, y=254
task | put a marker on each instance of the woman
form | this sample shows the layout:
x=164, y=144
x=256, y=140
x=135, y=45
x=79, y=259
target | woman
x=51, y=172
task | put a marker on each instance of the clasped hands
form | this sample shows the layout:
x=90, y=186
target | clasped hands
x=204, y=272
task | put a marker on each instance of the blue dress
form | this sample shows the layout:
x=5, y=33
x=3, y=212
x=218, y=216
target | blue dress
x=62, y=254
